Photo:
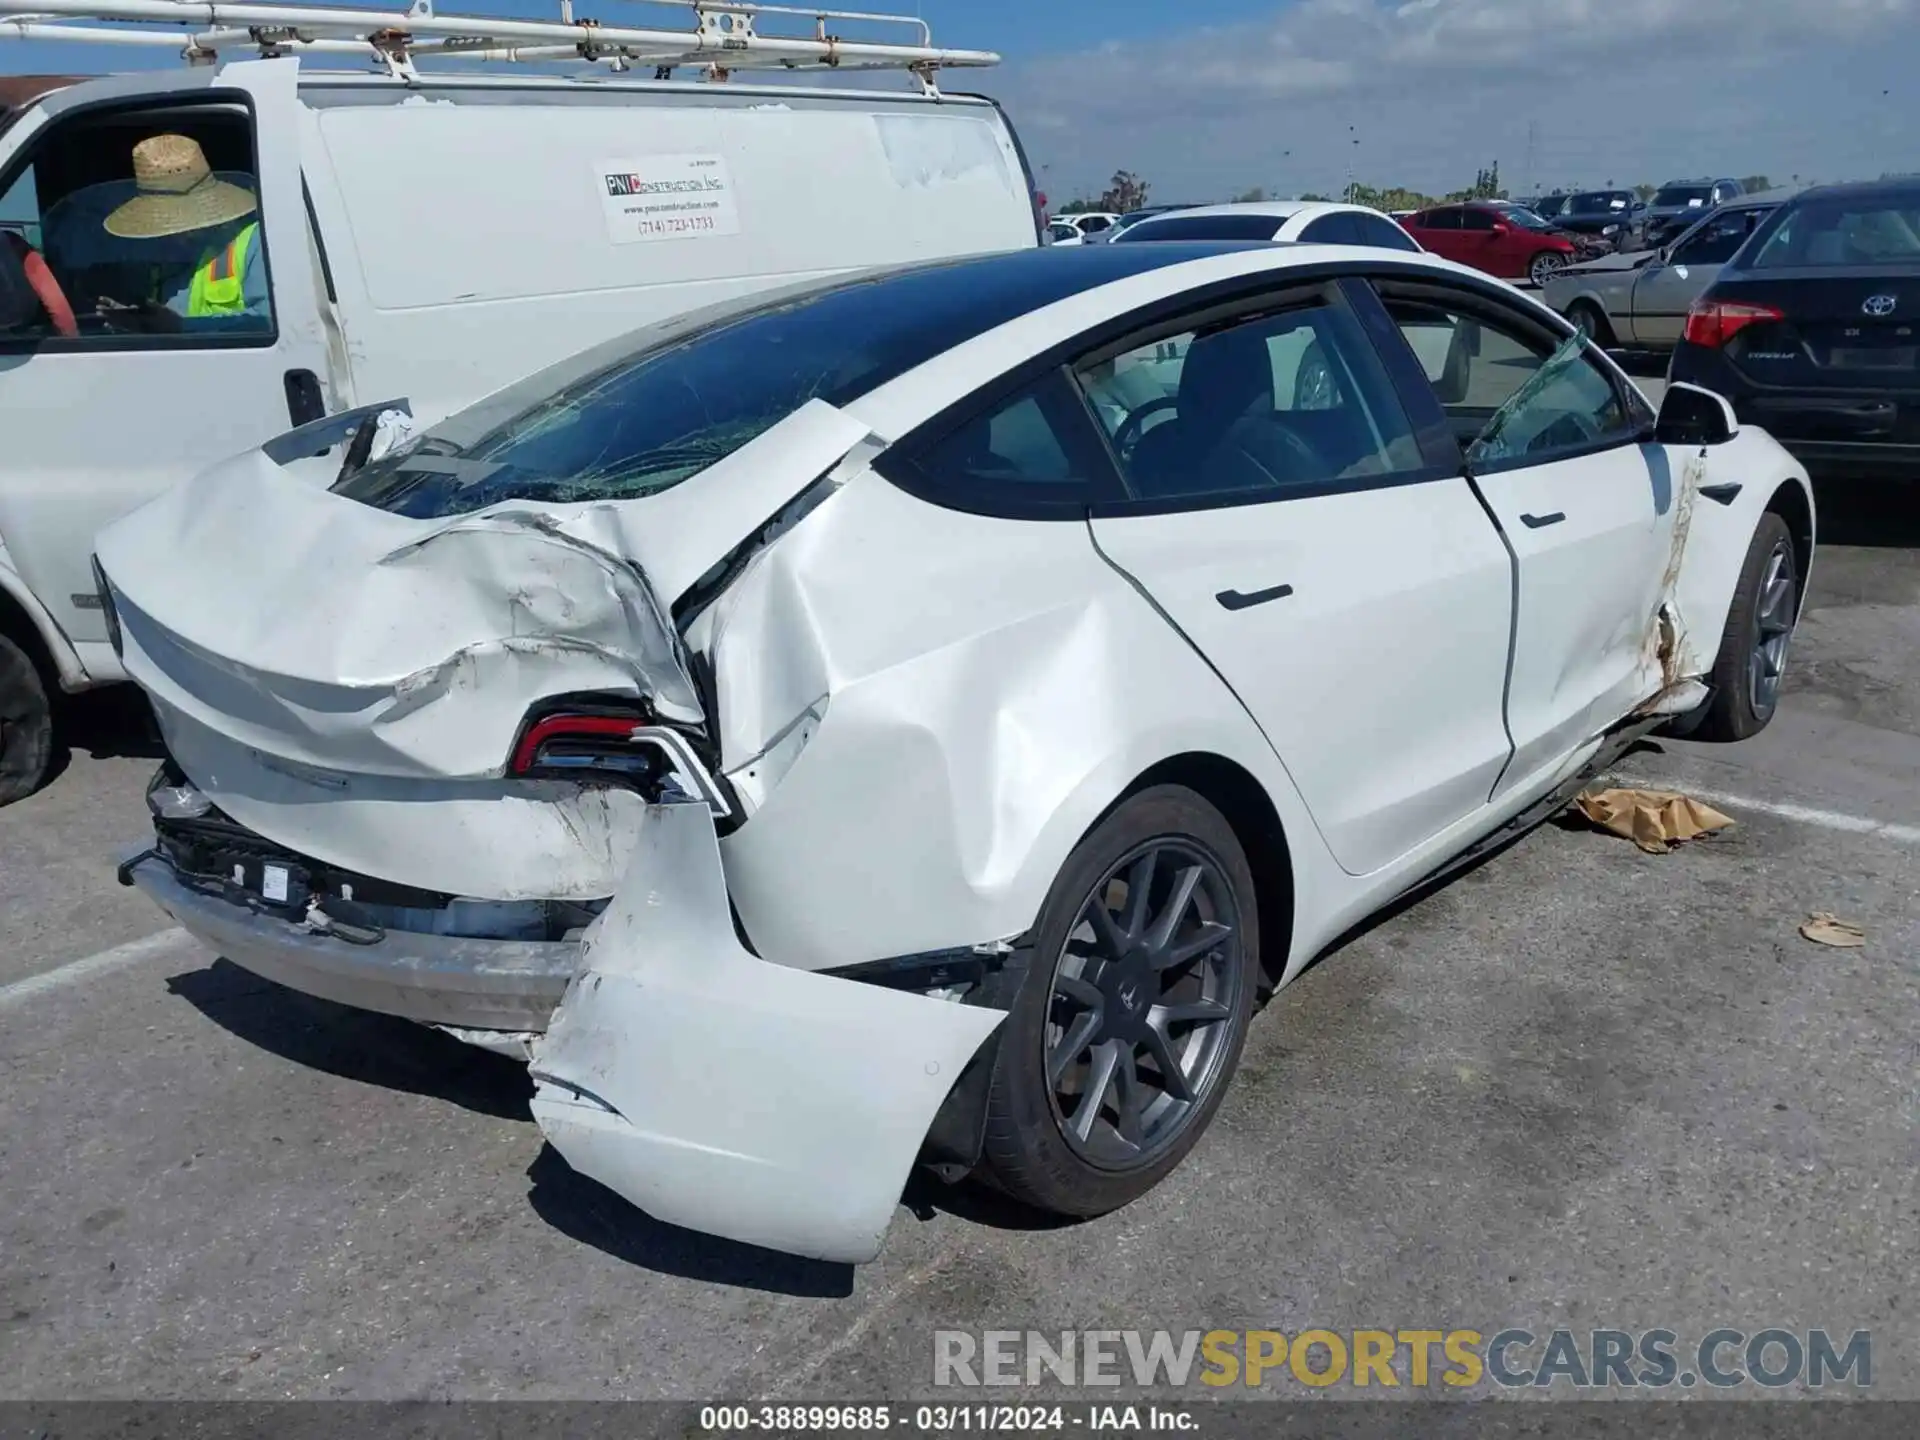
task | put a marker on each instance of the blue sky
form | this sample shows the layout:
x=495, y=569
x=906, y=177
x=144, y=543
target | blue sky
x=1287, y=94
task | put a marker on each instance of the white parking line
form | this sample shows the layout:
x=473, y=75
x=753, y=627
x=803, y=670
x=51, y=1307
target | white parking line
x=1805, y=814
x=118, y=958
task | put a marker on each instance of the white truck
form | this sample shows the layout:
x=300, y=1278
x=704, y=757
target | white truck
x=425, y=234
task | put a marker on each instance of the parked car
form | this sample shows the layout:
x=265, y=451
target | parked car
x=1640, y=300
x=1586, y=247
x=630, y=716
x=98, y=420
x=1129, y=220
x=1549, y=207
x=1080, y=226
x=1812, y=329
x=1609, y=214
x=1314, y=222
x=1679, y=204
x=1504, y=241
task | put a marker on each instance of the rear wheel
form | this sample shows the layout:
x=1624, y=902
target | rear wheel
x=1130, y=1021
x=1747, y=675
x=1544, y=266
x=26, y=724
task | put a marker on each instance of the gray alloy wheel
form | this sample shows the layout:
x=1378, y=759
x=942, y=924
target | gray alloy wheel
x=1144, y=994
x=1747, y=672
x=1313, y=387
x=1772, y=630
x=1134, y=997
x=1544, y=266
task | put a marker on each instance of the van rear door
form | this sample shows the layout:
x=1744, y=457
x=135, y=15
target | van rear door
x=97, y=424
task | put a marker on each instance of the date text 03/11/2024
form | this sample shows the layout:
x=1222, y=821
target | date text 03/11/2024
x=943, y=1419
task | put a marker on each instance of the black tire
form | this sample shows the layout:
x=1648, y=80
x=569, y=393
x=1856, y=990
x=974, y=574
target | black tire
x=1030, y=1152
x=1594, y=325
x=26, y=724
x=1742, y=704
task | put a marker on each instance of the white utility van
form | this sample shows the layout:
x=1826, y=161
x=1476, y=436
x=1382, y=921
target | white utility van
x=427, y=235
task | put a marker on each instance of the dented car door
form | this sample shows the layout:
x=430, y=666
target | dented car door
x=1354, y=594
x=1560, y=451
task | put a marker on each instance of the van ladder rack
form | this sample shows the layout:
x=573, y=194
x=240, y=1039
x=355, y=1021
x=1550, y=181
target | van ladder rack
x=724, y=38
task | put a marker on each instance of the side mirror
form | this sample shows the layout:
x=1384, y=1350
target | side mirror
x=1500, y=227
x=1690, y=415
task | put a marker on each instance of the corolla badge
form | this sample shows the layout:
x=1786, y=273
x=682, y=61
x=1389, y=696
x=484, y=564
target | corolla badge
x=1880, y=305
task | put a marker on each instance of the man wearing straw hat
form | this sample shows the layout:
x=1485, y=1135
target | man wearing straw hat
x=178, y=194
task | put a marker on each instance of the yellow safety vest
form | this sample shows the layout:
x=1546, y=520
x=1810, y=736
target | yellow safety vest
x=219, y=286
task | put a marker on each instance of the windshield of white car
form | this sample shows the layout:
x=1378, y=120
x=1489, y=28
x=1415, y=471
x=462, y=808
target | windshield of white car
x=1678, y=196
x=641, y=414
x=1842, y=231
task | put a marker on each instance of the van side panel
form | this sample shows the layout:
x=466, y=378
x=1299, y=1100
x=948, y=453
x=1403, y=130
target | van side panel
x=485, y=238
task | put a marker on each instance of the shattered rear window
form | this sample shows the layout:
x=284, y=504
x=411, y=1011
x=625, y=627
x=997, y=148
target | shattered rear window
x=643, y=413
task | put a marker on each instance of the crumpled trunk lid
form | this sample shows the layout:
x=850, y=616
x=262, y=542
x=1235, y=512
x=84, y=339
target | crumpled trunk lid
x=308, y=654
x=339, y=636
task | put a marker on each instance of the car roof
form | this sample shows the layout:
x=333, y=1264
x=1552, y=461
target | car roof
x=1077, y=291
x=1864, y=189
x=1278, y=209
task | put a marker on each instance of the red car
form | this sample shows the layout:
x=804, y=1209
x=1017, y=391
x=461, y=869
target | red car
x=1504, y=240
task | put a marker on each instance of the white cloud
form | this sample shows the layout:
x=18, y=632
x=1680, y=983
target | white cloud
x=1596, y=89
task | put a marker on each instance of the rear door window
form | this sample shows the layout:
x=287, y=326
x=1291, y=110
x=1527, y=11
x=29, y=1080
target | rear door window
x=1714, y=242
x=1381, y=234
x=1335, y=229
x=1250, y=410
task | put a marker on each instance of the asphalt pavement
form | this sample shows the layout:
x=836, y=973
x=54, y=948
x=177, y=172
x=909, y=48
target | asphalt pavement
x=1580, y=1085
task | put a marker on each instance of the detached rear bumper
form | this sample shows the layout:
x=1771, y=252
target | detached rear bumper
x=715, y=1090
x=435, y=979
x=720, y=1092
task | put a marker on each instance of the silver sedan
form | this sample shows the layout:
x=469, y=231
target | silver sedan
x=1640, y=301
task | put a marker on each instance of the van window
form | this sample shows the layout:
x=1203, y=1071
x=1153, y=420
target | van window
x=148, y=222
x=639, y=415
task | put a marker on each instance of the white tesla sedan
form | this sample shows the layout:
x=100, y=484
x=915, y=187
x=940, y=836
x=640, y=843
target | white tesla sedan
x=915, y=719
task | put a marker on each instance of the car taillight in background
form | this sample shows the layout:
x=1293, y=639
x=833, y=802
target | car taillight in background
x=1713, y=323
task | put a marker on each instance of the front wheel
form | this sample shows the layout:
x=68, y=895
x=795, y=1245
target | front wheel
x=1588, y=320
x=26, y=724
x=1131, y=1018
x=1752, y=663
x=1544, y=266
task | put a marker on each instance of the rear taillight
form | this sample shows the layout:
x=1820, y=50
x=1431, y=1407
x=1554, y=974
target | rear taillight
x=614, y=746
x=568, y=743
x=1713, y=323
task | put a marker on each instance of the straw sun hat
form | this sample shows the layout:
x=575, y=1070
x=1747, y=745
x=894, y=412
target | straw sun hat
x=177, y=192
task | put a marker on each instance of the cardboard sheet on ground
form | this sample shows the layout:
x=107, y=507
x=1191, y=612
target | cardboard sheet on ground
x=1655, y=820
x=1824, y=928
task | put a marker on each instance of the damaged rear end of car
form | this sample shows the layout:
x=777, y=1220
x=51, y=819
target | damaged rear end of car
x=437, y=747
